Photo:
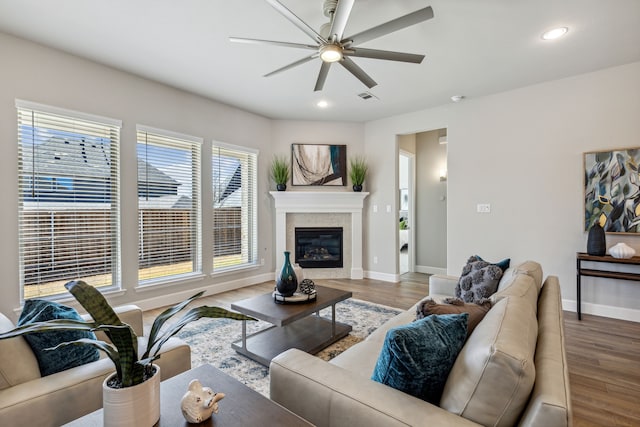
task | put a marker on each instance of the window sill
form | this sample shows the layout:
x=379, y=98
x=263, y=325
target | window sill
x=72, y=302
x=165, y=283
x=233, y=270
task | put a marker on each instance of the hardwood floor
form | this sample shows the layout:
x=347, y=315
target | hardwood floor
x=603, y=354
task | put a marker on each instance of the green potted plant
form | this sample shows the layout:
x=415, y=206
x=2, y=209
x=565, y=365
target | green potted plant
x=134, y=373
x=280, y=172
x=357, y=172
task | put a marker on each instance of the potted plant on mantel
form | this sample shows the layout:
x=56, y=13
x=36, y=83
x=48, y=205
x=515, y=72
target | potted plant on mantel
x=136, y=381
x=280, y=172
x=357, y=172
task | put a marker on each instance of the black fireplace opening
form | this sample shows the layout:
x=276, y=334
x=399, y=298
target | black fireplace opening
x=318, y=247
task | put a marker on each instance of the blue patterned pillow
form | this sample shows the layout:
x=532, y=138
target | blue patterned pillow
x=416, y=358
x=50, y=362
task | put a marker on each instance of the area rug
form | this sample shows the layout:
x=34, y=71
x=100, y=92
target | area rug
x=210, y=340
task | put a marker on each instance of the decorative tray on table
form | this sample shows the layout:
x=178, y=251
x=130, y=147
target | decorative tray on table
x=296, y=298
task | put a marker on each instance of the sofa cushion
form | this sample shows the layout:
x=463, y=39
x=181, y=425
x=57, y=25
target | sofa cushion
x=18, y=363
x=50, y=362
x=533, y=269
x=521, y=286
x=478, y=281
x=493, y=376
x=476, y=312
x=416, y=358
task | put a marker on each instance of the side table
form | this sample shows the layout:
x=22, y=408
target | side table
x=602, y=272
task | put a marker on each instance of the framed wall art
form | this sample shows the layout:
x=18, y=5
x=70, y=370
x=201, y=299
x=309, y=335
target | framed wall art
x=318, y=164
x=612, y=190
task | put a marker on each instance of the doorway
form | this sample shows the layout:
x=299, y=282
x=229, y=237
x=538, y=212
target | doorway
x=406, y=178
x=422, y=202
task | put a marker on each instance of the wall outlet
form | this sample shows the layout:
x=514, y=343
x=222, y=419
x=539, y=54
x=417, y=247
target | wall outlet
x=483, y=208
x=375, y=259
x=388, y=208
x=375, y=208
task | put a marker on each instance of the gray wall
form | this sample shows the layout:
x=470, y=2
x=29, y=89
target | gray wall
x=522, y=152
x=47, y=76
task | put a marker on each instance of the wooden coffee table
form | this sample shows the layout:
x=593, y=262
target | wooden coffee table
x=295, y=325
x=240, y=407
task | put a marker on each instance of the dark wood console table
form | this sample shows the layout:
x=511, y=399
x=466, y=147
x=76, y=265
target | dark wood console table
x=597, y=272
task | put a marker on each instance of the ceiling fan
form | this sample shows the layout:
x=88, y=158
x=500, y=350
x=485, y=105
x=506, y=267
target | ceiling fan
x=332, y=46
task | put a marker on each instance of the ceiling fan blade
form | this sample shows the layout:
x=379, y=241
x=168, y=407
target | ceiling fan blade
x=353, y=68
x=340, y=18
x=296, y=21
x=391, y=26
x=322, y=76
x=293, y=64
x=384, y=54
x=272, y=42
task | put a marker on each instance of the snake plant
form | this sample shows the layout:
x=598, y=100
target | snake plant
x=131, y=368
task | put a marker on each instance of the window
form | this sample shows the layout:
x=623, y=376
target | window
x=68, y=220
x=234, y=207
x=168, y=205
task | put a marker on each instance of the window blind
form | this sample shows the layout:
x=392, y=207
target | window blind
x=235, y=232
x=68, y=220
x=168, y=205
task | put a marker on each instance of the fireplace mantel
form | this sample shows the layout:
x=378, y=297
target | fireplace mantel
x=321, y=202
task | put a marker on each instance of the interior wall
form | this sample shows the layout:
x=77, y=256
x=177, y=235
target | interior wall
x=287, y=132
x=47, y=76
x=431, y=203
x=522, y=152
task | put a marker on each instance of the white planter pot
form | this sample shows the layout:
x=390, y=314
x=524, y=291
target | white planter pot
x=132, y=406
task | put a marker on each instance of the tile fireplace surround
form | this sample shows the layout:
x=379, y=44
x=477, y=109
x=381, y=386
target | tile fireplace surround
x=321, y=202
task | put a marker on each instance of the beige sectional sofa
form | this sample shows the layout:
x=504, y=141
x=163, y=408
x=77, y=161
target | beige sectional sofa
x=27, y=399
x=512, y=369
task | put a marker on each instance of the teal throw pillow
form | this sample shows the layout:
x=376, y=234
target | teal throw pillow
x=416, y=358
x=52, y=361
x=504, y=264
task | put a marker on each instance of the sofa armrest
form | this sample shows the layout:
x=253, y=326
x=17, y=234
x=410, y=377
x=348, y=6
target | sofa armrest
x=129, y=314
x=328, y=395
x=441, y=284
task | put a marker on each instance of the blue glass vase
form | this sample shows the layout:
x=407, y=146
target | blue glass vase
x=287, y=282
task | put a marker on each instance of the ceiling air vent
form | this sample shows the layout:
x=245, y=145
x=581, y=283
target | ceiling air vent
x=367, y=95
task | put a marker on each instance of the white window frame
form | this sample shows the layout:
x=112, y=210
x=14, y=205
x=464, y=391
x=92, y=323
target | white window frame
x=249, y=221
x=114, y=207
x=196, y=144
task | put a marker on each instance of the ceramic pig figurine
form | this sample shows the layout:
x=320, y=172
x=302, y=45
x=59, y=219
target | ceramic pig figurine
x=198, y=403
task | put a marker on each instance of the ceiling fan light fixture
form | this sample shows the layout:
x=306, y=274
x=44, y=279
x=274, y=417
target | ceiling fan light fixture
x=331, y=53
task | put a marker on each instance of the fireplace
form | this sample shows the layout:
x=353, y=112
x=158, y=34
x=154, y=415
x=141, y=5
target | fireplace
x=318, y=247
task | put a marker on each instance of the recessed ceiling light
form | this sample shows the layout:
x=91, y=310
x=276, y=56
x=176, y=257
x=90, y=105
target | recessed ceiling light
x=322, y=104
x=457, y=98
x=555, y=33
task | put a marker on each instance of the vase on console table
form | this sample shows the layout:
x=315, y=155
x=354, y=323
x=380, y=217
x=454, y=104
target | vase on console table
x=287, y=282
x=596, y=242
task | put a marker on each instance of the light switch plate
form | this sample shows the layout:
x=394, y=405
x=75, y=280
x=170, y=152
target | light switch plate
x=483, y=208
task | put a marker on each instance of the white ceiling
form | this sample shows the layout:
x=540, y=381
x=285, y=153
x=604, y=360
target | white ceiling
x=472, y=48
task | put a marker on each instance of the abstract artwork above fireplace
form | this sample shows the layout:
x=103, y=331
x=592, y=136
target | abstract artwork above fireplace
x=318, y=164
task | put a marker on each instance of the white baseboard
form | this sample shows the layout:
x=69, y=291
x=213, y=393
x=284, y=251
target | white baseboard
x=620, y=313
x=357, y=273
x=212, y=289
x=430, y=270
x=385, y=277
